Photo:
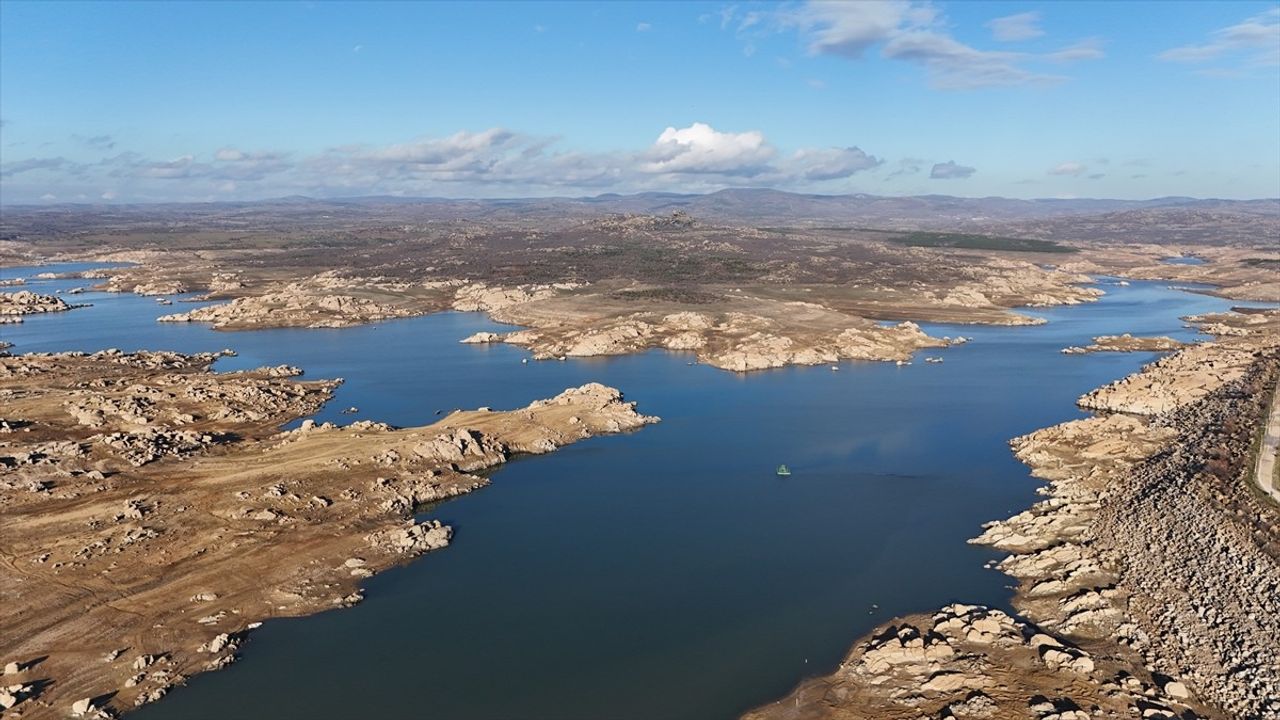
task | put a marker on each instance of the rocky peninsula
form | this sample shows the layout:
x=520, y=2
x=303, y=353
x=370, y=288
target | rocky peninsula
x=733, y=328
x=152, y=513
x=1125, y=343
x=24, y=302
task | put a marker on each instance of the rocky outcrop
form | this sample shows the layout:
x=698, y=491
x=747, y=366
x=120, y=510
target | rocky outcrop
x=478, y=297
x=1173, y=381
x=481, y=338
x=1126, y=343
x=25, y=302
x=740, y=342
x=159, y=287
x=970, y=661
x=326, y=300
x=1001, y=284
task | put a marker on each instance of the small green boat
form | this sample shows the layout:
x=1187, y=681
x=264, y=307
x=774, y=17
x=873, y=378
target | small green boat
x=783, y=471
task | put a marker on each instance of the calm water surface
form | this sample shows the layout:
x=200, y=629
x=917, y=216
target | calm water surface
x=663, y=574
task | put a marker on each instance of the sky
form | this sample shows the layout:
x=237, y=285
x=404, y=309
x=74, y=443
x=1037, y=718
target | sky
x=116, y=102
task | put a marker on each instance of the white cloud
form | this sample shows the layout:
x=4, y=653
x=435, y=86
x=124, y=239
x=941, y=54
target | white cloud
x=1016, y=28
x=1258, y=38
x=487, y=163
x=950, y=170
x=643, y=27
x=1090, y=49
x=48, y=197
x=700, y=148
x=456, y=150
x=832, y=163
x=954, y=65
x=179, y=167
x=916, y=32
x=1072, y=168
x=849, y=28
x=34, y=164
x=108, y=195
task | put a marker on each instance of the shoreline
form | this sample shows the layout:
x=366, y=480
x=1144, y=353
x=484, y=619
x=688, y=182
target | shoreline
x=746, y=331
x=120, y=583
x=1095, y=617
x=967, y=618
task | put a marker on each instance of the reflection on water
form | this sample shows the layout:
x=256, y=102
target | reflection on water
x=666, y=573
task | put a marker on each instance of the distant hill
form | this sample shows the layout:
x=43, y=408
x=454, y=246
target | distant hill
x=1155, y=220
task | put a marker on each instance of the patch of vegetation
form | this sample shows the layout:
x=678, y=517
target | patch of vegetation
x=683, y=296
x=1262, y=262
x=965, y=241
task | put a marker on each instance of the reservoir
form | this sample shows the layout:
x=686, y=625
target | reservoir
x=665, y=574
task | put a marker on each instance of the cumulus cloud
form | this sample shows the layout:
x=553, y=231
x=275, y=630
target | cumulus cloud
x=1073, y=169
x=179, y=167
x=232, y=164
x=832, y=163
x=1016, y=28
x=1256, y=41
x=454, y=151
x=700, y=148
x=916, y=32
x=949, y=170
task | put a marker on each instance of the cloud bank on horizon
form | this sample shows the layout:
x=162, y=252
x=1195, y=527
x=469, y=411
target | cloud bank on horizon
x=880, y=96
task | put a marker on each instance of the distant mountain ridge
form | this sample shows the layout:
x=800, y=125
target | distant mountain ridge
x=741, y=203
x=1165, y=219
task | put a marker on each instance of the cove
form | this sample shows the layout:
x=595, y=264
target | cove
x=663, y=574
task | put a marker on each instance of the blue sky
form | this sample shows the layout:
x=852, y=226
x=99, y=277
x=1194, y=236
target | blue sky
x=149, y=102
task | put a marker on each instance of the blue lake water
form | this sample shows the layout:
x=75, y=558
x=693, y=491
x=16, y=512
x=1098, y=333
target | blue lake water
x=666, y=573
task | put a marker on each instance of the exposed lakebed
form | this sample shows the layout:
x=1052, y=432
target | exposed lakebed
x=663, y=574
